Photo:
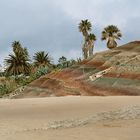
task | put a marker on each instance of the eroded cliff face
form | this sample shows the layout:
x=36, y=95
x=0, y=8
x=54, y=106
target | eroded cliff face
x=112, y=72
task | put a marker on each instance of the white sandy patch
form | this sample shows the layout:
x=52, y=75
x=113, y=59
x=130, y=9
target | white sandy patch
x=86, y=118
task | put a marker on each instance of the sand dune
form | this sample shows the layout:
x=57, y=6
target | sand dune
x=70, y=118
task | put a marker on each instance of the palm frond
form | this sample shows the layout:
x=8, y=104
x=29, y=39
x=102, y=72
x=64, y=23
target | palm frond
x=42, y=59
x=111, y=33
x=18, y=62
x=84, y=27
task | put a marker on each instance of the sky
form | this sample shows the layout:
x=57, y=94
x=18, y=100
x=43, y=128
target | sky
x=52, y=25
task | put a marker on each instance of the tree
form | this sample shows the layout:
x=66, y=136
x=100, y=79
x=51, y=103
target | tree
x=62, y=60
x=17, y=48
x=18, y=62
x=42, y=59
x=90, y=41
x=84, y=28
x=111, y=33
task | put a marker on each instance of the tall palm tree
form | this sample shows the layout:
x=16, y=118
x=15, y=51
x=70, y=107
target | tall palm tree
x=18, y=62
x=84, y=28
x=111, y=33
x=42, y=59
x=90, y=41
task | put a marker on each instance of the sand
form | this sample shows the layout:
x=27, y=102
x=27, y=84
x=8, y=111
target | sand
x=70, y=118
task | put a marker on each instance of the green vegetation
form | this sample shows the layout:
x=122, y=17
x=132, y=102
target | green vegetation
x=89, y=38
x=111, y=33
x=64, y=63
x=41, y=71
x=7, y=86
x=42, y=59
x=21, y=69
x=90, y=41
x=18, y=62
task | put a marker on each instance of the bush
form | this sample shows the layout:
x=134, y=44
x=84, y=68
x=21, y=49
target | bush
x=2, y=74
x=3, y=90
x=41, y=71
x=38, y=73
x=13, y=82
x=7, y=87
x=21, y=80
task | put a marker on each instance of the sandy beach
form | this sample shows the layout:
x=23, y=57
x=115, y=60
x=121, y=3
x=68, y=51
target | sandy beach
x=70, y=118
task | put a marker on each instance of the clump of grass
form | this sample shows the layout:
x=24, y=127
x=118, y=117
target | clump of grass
x=7, y=87
x=11, y=83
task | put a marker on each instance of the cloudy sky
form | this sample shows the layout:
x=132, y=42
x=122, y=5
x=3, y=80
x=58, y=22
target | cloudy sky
x=51, y=25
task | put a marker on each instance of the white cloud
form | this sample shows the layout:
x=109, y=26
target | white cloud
x=101, y=12
x=51, y=25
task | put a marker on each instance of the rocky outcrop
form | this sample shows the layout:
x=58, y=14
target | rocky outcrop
x=112, y=72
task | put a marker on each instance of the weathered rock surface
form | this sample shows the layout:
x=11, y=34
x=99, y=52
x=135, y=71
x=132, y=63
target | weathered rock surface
x=122, y=79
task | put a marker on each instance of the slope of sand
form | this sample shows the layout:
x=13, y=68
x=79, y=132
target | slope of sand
x=70, y=118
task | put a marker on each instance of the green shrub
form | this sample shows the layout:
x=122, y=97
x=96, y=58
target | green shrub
x=13, y=82
x=3, y=90
x=38, y=73
x=21, y=80
x=41, y=71
x=7, y=86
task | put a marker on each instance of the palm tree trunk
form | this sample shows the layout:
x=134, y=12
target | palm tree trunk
x=85, y=46
x=91, y=49
x=85, y=52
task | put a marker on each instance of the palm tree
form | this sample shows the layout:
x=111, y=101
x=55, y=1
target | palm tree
x=16, y=46
x=18, y=62
x=111, y=33
x=90, y=41
x=84, y=28
x=42, y=59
